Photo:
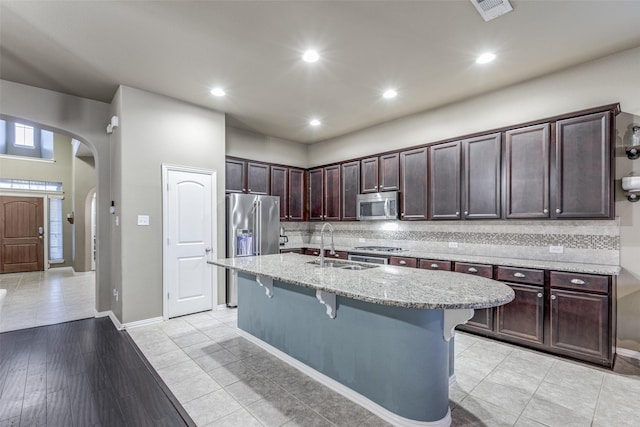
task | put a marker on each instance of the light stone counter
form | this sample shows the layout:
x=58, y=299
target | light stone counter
x=572, y=267
x=383, y=284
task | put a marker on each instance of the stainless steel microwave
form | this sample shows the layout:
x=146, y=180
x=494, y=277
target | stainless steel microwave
x=377, y=206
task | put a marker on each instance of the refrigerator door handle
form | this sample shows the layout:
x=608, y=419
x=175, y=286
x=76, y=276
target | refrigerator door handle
x=257, y=228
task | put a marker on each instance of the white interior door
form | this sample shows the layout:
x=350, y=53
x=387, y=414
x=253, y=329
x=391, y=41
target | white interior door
x=190, y=240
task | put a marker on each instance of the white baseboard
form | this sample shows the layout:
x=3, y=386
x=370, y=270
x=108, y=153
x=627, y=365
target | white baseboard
x=119, y=326
x=354, y=396
x=628, y=353
x=220, y=307
x=144, y=322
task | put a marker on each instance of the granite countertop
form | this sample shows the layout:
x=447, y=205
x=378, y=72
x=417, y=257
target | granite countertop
x=383, y=284
x=571, y=267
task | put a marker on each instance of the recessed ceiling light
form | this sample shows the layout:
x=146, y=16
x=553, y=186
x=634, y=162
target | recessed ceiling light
x=218, y=91
x=315, y=122
x=310, y=56
x=390, y=93
x=486, y=58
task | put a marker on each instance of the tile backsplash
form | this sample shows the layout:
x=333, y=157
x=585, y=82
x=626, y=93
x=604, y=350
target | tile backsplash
x=596, y=242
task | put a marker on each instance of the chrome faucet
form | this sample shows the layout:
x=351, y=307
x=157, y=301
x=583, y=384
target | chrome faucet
x=333, y=248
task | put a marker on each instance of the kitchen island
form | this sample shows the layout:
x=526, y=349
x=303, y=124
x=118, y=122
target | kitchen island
x=379, y=335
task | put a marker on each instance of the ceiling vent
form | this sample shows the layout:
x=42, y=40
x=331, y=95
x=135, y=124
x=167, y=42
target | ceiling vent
x=490, y=9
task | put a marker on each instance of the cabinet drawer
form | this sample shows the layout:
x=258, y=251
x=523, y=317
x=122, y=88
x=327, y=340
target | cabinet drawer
x=482, y=270
x=521, y=275
x=429, y=264
x=586, y=282
x=403, y=261
x=337, y=255
x=312, y=252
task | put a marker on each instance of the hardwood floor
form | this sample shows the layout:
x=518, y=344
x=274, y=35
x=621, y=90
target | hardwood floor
x=82, y=373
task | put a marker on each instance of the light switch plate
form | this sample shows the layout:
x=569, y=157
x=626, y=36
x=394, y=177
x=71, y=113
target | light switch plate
x=453, y=245
x=143, y=219
x=556, y=249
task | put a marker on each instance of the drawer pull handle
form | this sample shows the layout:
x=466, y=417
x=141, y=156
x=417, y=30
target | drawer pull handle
x=539, y=294
x=403, y=262
x=553, y=297
x=315, y=253
x=518, y=274
x=337, y=255
x=434, y=266
x=472, y=270
x=577, y=281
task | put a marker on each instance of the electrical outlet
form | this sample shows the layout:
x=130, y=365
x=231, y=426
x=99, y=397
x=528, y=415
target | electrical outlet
x=361, y=240
x=143, y=219
x=453, y=245
x=556, y=249
x=115, y=294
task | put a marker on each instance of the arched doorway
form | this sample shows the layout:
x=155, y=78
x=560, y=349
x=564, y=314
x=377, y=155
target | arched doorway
x=55, y=292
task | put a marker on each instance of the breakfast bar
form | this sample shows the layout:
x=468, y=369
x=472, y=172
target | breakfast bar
x=379, y=334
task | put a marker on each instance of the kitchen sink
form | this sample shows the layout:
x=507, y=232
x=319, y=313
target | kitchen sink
x=343, y=265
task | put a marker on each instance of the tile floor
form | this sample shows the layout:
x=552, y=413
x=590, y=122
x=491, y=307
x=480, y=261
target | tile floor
x=221, y=379
x=46, y=298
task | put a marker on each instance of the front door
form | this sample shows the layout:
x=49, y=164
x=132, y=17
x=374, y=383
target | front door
x=21, y=234
x=189, y=226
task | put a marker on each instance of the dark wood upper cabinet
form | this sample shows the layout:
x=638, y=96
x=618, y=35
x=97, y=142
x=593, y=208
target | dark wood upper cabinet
x=444, y=180
x=381, y=173
x=526, y=170
x=482, y=171
x=413, y=171
x=350, y=189
x=296, y=194
x=583, y=181
x=316, y=194
x=279, y=187
x=369, y=170
x=257, y=178
x=332, y=189
x=234, y=173
x=389, y=172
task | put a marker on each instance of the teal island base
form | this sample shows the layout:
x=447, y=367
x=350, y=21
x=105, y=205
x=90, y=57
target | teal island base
x=395, y=361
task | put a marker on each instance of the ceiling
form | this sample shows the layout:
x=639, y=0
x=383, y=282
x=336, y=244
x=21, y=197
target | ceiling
x=424, y=49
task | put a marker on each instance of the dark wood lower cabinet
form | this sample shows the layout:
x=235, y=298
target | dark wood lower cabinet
x=567, y=314
x=523, y=318
x=579, y=323
x=482, y=319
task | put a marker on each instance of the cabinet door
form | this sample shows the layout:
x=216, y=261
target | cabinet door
x=369, y=169
x=296, y=194
x=444, y=182
x=580, y=323
x=389, y=172
x=316, y=194
x=483, y=318
x=583, y=167
x=234, y=173
x=257, y=178
x=279, y=186
x=482, y=176
x=527, y=172
x=523, y=318
x=350, y=189
x=332, y=193
x=413, y=169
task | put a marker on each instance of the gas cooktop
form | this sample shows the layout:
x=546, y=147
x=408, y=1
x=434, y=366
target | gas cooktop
x=379, y=248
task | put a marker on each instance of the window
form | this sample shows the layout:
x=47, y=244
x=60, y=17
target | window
x=23, y=136
x=55, y=229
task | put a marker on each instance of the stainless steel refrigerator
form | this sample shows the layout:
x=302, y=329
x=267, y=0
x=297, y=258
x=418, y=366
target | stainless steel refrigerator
x=253, y=228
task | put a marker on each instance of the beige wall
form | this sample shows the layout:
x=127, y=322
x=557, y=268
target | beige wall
x=59, y=170
x=249, y=145
x=604, y=81
x=629, y=216
x=154, y=130
x=84, y=182
x=82, y=119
